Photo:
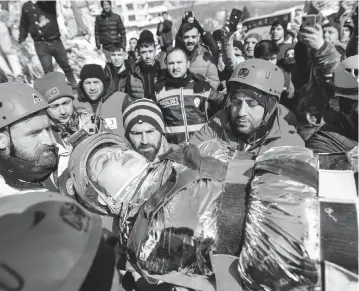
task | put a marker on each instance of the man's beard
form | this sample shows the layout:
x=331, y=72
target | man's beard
x=45, y=157
x=150, y=155
x=243, y=133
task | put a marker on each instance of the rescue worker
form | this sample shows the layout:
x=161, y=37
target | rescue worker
x=341, y=135
x=27, y=148
x=144, y=128
x=95, y=93
x=66, y=120
x=182, y=97
x=253, y=121
x=51, y=225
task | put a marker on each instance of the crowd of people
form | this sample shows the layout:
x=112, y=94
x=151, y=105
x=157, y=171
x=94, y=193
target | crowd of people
x=95, y=172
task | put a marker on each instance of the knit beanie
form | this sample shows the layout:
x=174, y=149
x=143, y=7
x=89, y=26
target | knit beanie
x=146, y=36
x=53, y=86
x=142, y=110
x=253, y=35
x=281, y=22
x=92, y=71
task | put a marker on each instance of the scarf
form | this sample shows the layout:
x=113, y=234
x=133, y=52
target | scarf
x=179, y=82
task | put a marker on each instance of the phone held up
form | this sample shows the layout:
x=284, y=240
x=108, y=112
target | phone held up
x=188, y=15
x=234, y=19
x=309, y=20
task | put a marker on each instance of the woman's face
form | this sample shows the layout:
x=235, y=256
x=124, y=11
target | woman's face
x=289, y=57
x=239, y=55
x=111, y=168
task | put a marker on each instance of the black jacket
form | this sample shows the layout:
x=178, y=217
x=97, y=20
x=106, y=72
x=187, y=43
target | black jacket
x=40, y=20
x=118, y=81
x=109, y=29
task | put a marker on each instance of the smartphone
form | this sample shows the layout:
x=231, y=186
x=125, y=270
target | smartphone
x=188, y=15
x=234, y=19
x=309, y=20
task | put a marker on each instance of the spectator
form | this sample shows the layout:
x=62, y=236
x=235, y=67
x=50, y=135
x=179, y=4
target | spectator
x=201, y=61
x=164, y=33
x=352, y=46
x=40, y=19
x=253, y=121
x=95, y=93
x=341, y=134
x=346, y=33
x=133, y=52
x=279, y=33
x=291, y=37
x=234, y=51
x=182, y=97
x=109, y=30
x=331, y=32
x=117, y=70
x=250, y=42
x=315, y=63
x=267, y=50
x=144, y=74
x=144, y=128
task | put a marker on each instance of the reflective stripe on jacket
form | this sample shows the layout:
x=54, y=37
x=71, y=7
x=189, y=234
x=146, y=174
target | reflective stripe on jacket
x=183, y=110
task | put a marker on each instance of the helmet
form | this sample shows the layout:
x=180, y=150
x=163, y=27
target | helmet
x=51, y=243
x=346, y=78
x=17, y=101
x=260, y=74
x=79, y=157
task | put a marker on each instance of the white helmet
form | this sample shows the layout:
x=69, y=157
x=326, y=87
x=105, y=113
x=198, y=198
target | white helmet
x=346, y=78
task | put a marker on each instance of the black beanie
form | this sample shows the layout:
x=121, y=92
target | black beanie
x=92, y=71
x=146, y=36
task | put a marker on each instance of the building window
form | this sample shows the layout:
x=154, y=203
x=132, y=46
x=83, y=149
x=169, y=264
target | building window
x=132, y=18
x=129, y=6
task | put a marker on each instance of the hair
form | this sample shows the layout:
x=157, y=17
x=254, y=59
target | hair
x=187, y=27
x=102, y=2
x=265, y=49
x=136, y=39
x=145, y=44
x=176, y=49
x=117, y=47
x=164, y=12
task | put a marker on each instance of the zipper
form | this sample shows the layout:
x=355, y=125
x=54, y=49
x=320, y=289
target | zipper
x=184, y=114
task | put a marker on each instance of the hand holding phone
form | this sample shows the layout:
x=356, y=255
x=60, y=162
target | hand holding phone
x=234, y=19
x=189, y=17
x=309, y=20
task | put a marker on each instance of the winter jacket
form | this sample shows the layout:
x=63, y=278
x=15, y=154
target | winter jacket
x=135, y=82
x=109, y=108
x=118, y=80
x=109, y=29
x=218, y=127
x=203, y=63
x=164, y=32
x=314, y=94
x=333, y=138
x=184, y=108
x=40, y=20
x=6, y=189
